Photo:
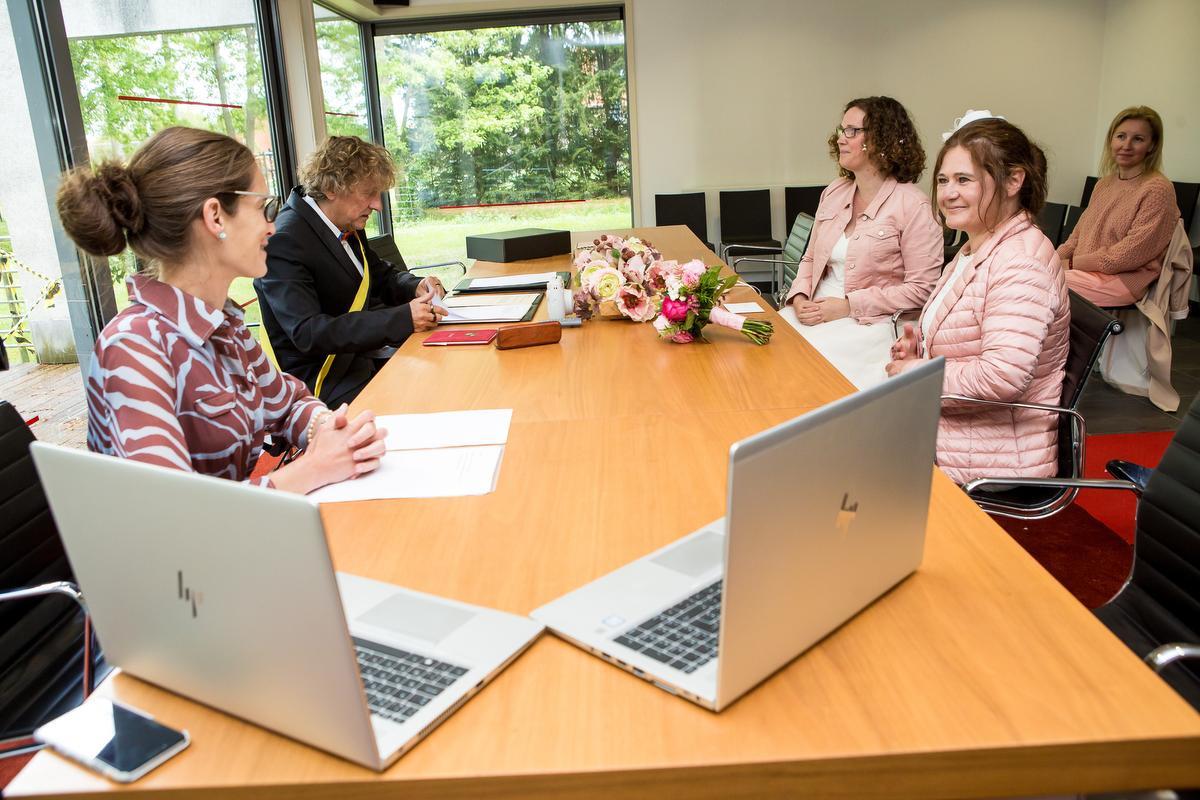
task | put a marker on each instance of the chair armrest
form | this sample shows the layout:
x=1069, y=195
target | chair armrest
x=762, y=248
x=1128, y=471
x=1167, y=654
x=1064, y=483
x=1051, y=483
x=425, y=269
x=898, y=315
x=737, y=261
x=67, y=589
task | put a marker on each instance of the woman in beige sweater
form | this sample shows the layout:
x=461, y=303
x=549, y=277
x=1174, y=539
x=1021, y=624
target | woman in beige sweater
x=1116, y=250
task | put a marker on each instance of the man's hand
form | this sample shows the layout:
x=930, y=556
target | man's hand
x=431, y=284
x=425, y=314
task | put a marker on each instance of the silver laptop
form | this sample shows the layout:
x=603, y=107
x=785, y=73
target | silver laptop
x=824, y=514
x=225, y=593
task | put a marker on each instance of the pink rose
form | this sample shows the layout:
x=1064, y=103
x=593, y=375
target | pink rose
x=656, y=275
x=634, y=303
x=634, y=269
x=683, y=337
x=675, y=310
x=692, y=271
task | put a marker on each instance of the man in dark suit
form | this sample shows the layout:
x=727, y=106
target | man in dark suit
x=315, y=274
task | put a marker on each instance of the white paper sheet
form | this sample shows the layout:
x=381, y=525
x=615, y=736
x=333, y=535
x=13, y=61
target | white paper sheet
x=511, y=280
x=447, y=472
x=446, y=428
x=469, y=314
x=745, y=308
x=467, y=300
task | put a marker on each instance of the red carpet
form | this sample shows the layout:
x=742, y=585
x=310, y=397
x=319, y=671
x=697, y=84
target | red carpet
x=1088, y=547
x=1111, y=507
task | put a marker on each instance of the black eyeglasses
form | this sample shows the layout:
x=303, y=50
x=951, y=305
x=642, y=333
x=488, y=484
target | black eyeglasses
x=849, y=131
x=270, y=207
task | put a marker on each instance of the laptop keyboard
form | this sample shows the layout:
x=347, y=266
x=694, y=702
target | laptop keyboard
x=685, y=635
x=400, y=684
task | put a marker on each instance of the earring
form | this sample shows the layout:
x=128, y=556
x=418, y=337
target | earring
x=221, y=236
x=864, y=147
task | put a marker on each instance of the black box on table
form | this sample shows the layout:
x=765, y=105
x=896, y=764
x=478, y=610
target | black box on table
x=522, y=245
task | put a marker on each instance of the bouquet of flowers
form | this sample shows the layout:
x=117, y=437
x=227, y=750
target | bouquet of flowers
x=613, y=279
x=691, y=299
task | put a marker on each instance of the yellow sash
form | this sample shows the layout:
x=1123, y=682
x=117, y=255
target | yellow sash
x=360, y=300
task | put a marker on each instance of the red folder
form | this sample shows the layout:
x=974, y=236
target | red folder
x=482, y=336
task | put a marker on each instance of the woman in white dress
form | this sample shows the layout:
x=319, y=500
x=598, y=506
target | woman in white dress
x=875, y=247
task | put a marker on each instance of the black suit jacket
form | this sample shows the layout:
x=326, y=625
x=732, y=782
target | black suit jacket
x=306, y=296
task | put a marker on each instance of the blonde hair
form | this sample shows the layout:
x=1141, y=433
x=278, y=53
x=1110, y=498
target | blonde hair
x=1108, y=164
x=343, y=164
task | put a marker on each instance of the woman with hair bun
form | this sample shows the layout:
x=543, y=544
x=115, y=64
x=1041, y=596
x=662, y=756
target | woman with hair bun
x=1000, y=314
x=875, y=248
x=1116, y=250
x=178, y=380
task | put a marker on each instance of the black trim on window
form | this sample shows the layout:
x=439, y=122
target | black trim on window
x=279, y=112
x=502, y=19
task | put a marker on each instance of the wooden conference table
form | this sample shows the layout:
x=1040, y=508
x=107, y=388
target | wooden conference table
x=979, y=676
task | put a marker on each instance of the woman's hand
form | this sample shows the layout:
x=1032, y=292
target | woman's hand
x=341, y=448
x=894, y=368
x=833, y=308
x=906, y=346
x=807, y=312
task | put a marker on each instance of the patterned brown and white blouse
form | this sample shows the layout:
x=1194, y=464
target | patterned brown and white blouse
x=178, y=383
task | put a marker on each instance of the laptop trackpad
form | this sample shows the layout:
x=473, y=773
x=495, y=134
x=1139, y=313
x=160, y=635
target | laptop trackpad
x=695, y=556
x=417, y=617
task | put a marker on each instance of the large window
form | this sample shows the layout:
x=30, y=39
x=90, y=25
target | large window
x=144, y=65
x=343, y=80
x=495, y=128
x=343, y=83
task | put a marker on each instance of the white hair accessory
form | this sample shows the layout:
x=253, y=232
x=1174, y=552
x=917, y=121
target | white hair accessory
x=966, y=119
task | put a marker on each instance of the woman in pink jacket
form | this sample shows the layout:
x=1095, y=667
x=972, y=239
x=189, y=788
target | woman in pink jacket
x=875, y=246
x=1000, y=313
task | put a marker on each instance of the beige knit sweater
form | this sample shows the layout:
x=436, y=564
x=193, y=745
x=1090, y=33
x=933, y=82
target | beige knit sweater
x=1124, y=230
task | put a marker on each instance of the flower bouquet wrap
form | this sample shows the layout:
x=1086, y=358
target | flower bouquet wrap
x=613, y=279
x=691, y=299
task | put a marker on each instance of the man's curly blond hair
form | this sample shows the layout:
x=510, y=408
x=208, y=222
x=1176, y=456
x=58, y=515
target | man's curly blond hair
x=345, y=164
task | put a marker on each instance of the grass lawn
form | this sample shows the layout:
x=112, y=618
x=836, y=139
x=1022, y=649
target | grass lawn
x=441, y=235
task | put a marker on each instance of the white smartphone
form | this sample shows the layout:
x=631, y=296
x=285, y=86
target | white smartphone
x=115, y=740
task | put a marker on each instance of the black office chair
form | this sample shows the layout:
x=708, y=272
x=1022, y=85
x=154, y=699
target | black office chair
x=1069, y=222
x=385, y=247
x=1157, y=612
x=746, y=220
x=952, y=242
x=1033, y=498
x=1186, y=196
x=1051, y=220
x=1089, y=185
x=48, y=663
x=788, y=261
x=799, y=200
x=684, y=209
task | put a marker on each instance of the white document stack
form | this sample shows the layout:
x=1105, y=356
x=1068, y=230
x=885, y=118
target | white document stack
x=444, y=454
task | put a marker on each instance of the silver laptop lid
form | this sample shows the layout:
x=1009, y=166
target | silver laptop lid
x=216, y=590
x=854, y=478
